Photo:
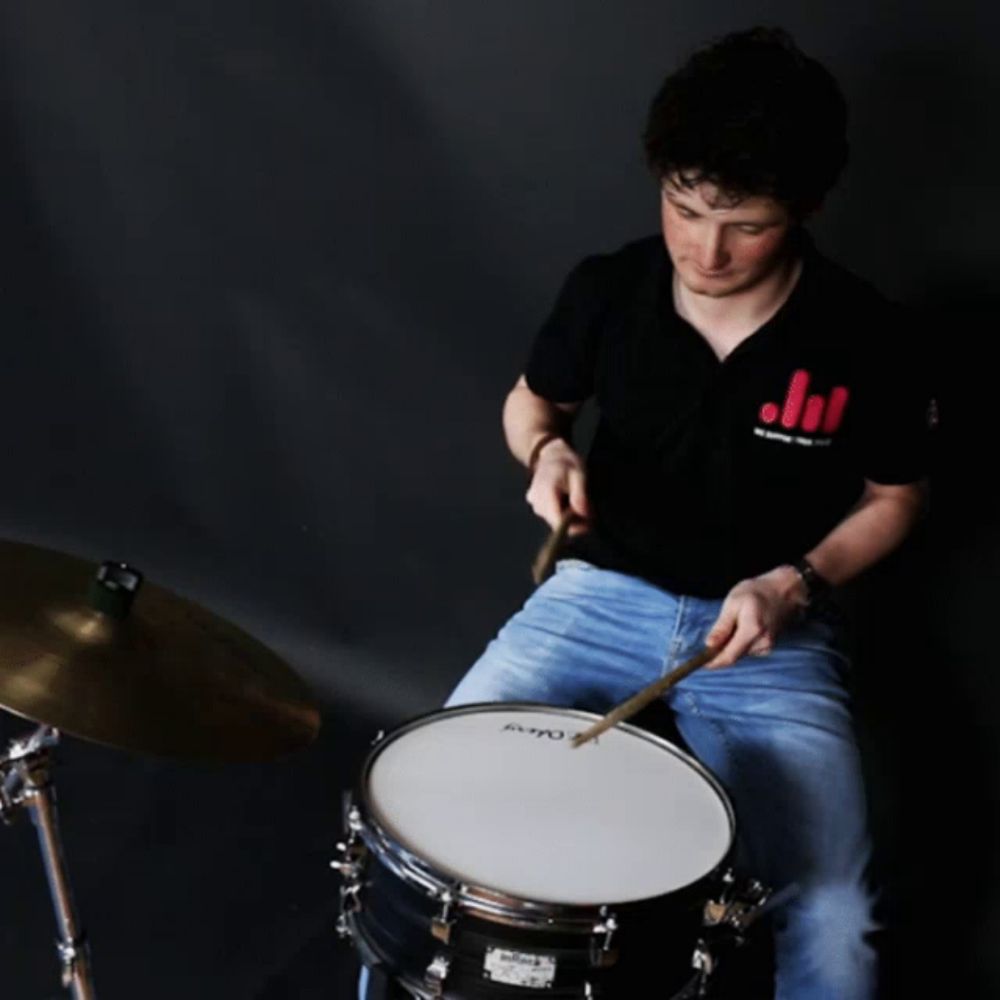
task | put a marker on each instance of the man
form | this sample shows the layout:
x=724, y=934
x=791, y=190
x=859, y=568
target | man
x=760, y=440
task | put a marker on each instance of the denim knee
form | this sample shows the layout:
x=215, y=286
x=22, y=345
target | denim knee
x=824, y=943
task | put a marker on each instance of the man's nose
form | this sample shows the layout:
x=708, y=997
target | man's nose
x=713, y=255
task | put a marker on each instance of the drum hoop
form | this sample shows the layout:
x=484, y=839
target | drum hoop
x=491, y=903
x=478, y=901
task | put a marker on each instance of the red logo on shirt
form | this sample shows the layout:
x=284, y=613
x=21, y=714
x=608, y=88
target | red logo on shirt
x=804, y=413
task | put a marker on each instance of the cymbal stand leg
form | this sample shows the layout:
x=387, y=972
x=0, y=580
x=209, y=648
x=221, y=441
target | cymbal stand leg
x=27, y=784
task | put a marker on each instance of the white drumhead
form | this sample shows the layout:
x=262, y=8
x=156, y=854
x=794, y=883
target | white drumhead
x=496, y=796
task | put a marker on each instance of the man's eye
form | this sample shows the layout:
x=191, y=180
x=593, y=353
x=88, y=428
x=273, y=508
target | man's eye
x=685, y=213
x=752, y=230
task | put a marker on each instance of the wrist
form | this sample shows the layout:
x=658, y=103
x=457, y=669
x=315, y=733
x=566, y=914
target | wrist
x=539, y=446
x=790, y=584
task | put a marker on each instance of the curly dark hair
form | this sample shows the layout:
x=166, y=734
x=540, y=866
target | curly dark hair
x=753, y=115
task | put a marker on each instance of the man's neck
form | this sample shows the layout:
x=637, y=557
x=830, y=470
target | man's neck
x=725, y=321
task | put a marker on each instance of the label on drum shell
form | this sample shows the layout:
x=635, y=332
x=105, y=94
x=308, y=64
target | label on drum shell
x=519, y=968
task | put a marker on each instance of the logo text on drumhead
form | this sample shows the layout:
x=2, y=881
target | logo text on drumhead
x=551, y=734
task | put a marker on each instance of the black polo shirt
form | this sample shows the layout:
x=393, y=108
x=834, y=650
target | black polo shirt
x=703, y=473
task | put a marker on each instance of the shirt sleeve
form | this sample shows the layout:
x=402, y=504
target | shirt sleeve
x=896, y=409
x=561, y=364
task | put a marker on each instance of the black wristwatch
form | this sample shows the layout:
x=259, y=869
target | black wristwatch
x=816, y=586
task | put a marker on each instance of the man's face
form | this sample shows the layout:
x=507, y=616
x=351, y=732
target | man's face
x=720, y=247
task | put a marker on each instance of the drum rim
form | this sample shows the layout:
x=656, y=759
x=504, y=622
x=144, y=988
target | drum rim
x=495, y=903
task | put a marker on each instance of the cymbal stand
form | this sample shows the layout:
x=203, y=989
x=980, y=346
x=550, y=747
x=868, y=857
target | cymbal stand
x=26, y=783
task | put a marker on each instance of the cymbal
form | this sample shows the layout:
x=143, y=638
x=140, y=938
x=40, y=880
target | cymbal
x=163, y=677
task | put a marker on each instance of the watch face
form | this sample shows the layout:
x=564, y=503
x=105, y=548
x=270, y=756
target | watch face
x=816, y=585
x=809, y=577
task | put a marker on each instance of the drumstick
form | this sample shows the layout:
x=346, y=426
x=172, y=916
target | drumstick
x=648, y=694
x=546, y=558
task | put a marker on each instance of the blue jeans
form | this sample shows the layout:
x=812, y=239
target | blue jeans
x=775, y=730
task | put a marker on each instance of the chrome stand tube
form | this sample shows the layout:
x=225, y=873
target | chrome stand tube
x=27, y=784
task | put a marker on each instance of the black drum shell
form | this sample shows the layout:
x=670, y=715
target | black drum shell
x=654, y=941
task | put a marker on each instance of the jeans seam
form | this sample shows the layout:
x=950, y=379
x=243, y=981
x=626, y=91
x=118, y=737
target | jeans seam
x=731, y=756
x=674, y=642
x=695, y=710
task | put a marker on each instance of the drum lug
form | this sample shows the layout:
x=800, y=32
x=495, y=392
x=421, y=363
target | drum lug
x=443, y=922
x=352, y=819
x=351, y=850
x=702, y=960
x=350, y=863
x=350, y=866
x=601, y=953
x=737, y=907
x=350, y=903
x=436, y=974
x=716, y=909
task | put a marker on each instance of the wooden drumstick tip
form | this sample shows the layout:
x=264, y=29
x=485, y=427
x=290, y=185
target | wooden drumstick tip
x=628, y=708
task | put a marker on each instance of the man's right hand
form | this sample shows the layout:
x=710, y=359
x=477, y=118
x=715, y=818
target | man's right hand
x=559, y=480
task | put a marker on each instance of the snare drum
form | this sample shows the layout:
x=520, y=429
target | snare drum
x=487, y=858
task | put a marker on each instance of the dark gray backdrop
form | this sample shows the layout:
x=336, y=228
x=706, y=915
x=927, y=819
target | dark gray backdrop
x=268, y=271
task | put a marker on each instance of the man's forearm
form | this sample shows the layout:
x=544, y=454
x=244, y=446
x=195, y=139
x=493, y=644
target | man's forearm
x=876, y=526
x=528, y=417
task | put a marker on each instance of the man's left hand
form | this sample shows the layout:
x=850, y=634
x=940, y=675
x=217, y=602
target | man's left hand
x=753, y=614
